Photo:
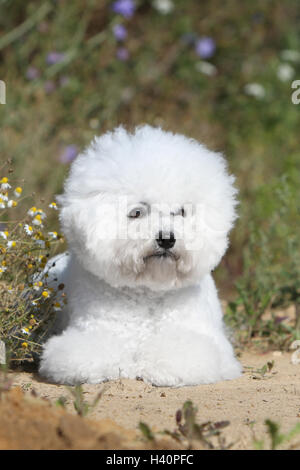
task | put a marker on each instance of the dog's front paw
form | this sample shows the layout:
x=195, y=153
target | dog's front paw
x=178, y=358
x=62, y=360
x=82, y=356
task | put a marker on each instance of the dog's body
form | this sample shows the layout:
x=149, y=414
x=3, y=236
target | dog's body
x=145, y=304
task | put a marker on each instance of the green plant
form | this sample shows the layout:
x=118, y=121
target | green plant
x=271, y=278
x=81, y=406
x=27, y=303
x=189, y=431
x=277, y=438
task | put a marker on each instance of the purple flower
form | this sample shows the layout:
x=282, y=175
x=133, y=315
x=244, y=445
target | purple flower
x=55, y=57
x=32, y=73
x=205, y=47
x=120, y=32
x=68, y=154
x=124, y=7
x=122, y=54
x=49, y=86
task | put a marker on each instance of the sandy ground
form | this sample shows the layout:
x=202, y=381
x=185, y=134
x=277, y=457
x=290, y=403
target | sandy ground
x=246, y=402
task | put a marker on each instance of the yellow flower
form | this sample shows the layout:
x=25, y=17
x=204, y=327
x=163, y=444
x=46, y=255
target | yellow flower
x=53, y=235
x=28, y=229
x=37, y=285
x=4, y=183
x=37, y=220
x=4, y=234
x=18, y=191
x=45, y=294
x=32, y=211
x=12, y=203
x=24, y=345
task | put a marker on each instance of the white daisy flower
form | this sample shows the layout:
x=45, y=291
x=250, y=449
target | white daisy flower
x=41, y=213
x=32, y=211
x=53, y=205
x=255, y=89
x=163, y=6
x=2, y=203
x=12, y=203
x=57, y=306
x=4, y=183
x=37, y=285
x=45, y=294
x=4, y=234
x=25, y=331
x=53, y=235
x=2, y=269
x=290, y=54
x=285, y=72
x=37, y=220
x=28, y=229
x=206, y=67
x=18, y=191
x=11, y=244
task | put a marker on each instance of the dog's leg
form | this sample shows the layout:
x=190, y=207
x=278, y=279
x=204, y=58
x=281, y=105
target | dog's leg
x=78, y=356
x=179, y=356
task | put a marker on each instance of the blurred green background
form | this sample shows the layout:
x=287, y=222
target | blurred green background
x=219, y=71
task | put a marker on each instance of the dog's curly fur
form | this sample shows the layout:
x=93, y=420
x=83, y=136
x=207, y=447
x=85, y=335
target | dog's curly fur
x=138, y=305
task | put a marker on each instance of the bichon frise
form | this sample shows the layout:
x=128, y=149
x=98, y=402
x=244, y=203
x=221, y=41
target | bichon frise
x=147, y=217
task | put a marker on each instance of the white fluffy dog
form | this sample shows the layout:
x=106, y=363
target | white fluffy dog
x=147, y=217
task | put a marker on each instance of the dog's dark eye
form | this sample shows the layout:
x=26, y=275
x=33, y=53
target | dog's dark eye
x=182, y=212
x=135, y=213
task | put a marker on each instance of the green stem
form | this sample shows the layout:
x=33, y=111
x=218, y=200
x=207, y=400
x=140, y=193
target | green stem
x=23, y=28
x=297, y=321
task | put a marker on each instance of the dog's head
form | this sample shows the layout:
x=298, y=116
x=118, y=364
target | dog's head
x=148, y=209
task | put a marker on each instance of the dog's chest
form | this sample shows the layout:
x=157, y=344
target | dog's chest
x=131, y=309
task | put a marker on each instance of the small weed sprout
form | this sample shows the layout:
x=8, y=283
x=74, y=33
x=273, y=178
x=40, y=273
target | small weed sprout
x=188, y=431
x=81, y=406
x=276, y=437
x=146, y=431
x=262, y=372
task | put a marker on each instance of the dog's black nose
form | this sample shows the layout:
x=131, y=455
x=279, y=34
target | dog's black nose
x=166, y=240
